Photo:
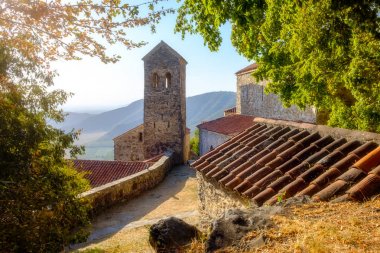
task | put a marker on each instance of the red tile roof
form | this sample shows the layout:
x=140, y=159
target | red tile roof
x=247, y=69
x=266, y=162
x=230, y=111
x=103, y=172
x=228, y=125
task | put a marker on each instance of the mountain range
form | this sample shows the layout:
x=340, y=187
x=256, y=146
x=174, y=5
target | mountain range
x=98, y=130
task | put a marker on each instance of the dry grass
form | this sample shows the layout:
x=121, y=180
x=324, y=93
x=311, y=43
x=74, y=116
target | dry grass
x=322, y=227
x=128, y=240
x=132, y=240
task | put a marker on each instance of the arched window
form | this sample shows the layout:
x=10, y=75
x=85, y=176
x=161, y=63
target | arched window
x=155, y=80
x=168, y=80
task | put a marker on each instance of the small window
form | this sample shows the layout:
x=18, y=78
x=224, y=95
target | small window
x=168, y=124
x=140, y=137
x=168, y=80
x=155, y=80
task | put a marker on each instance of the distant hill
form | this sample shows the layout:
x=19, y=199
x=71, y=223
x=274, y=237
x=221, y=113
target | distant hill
x=100, y=129
x=71, y=120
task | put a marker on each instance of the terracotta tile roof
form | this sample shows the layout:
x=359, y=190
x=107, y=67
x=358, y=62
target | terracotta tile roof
x=230, y=111
x=266, y=162
x=247, y=69
x=103, y=172
x=229, y=125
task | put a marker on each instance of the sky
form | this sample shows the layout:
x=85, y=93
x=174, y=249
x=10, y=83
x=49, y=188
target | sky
x=99, y=87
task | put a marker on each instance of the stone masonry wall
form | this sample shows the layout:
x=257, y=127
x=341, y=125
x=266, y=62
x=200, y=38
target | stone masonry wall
x=214, y=201
x=126, y=188
x=129, y=146
x=186, y=146
x=252, y=100
x=164, y=105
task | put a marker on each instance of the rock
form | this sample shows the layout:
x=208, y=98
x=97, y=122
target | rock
x=252, y=244
x=257, y=242
x=295, y=201
x=236, y=223
x=171, y=235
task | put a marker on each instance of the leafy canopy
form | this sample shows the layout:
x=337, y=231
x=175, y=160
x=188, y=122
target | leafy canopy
x=40, y=210
x=321, y=53
x=194, y=142
x=47, y=30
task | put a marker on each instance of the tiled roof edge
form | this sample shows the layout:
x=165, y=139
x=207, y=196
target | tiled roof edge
x=250, y=68
x=166, y=155
x=325, y=130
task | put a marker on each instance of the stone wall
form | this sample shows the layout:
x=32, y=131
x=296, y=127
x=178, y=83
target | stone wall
x=164, y=102
x=252, y=100
x=214, y=201
x=129, y=146
x=208, y=139
x=186, y=146
x=126, y=188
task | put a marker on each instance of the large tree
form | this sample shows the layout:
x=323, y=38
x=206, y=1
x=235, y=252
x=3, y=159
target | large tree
x=39, y=206
x=322, y=53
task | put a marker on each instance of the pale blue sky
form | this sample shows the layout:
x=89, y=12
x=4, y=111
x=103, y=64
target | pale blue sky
x=99, y=86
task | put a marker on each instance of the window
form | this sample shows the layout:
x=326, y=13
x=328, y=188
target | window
x=140, y=137
x=168, y=80
x=155, y=80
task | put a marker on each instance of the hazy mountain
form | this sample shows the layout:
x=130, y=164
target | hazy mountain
x=100, y=129
x=72, y=120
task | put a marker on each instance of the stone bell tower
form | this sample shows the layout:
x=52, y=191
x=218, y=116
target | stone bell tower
x=164, y=102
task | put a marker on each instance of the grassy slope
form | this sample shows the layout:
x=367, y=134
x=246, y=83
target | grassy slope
x=315, y=228
x=321, y=227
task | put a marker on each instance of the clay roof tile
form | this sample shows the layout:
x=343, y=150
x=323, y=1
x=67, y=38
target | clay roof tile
x=103, y=172
x=265, y=162
x=367, y=187
x=229, y=125
x=368, y=162
x=247, y=69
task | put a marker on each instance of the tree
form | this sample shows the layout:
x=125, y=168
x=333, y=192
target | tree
x=46, y=30
x=320, y=53
x=194, y=142
x=40, y=210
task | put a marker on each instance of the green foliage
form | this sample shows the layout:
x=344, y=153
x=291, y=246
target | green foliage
x=281, y=197
x=46, y=30
x=194, y=142
x=40, y=210
x=321, y=53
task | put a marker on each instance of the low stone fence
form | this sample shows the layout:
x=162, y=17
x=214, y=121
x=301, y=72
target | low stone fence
x=128, y=187
x=215, y=201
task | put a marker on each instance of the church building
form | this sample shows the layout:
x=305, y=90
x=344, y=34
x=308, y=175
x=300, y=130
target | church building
x=164, y=124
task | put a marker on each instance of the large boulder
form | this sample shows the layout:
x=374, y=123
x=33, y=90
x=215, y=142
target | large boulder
x=236, y=223
x=171, y=235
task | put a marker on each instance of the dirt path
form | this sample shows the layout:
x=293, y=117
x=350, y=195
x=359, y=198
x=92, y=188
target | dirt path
x=124, y=228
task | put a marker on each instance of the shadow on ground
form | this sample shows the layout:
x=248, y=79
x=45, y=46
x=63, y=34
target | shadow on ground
x=166, y=199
